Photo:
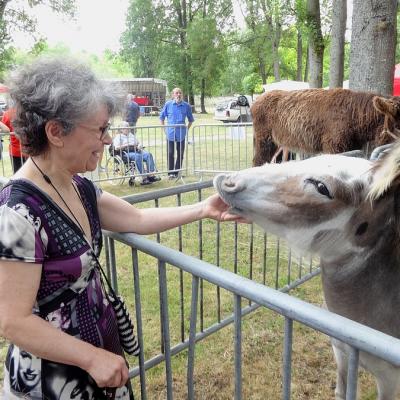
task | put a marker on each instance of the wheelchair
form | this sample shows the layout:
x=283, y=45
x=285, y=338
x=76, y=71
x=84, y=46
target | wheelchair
x=118, y=167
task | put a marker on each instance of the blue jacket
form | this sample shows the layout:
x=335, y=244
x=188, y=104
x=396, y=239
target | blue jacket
x=132, y=113
x=176, y=113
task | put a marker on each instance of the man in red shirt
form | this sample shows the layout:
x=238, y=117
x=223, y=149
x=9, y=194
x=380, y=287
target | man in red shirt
x=15, y=149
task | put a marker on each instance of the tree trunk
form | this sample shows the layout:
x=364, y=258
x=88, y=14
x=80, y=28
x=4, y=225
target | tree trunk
x=316, y=44
x=373, y=45
x=299, y=71
x=306, y=68
x=336, y=71
x=202, y=96
x=263, y=70
x=275, y=51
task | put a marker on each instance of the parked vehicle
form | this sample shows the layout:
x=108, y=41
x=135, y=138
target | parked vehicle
x=234, y=110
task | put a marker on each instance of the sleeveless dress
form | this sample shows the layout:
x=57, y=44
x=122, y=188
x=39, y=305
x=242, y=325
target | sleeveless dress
x=34, y=229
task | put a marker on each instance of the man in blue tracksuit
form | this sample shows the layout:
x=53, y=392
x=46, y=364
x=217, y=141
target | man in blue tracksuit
x=176, y=111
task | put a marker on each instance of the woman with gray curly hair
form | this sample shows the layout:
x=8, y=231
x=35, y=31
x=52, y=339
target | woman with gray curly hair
x=53, y=306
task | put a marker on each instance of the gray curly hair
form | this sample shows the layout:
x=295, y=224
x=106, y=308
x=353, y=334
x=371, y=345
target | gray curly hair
x=60, y=89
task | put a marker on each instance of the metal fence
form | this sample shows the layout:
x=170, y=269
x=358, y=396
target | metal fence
x=208, y=149
x=258, y=268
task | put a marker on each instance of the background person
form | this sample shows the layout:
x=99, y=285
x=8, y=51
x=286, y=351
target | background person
x=132, y=111
x=127, y=144
x=50, y=234
x=3, y=129
x=15, y=149
x=176, y=111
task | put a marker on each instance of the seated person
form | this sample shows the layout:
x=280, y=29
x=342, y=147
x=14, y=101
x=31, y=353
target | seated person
x=126, y=144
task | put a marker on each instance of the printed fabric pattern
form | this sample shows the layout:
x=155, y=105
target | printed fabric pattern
x=34, y=229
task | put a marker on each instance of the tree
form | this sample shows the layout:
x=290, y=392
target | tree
x=373, y=46
x=13, y=16
x=265, y=19
x=300, y=15
x=208, y=55
x=141, y=40
x=336, y=70
x=315, y=44
x=252, y=83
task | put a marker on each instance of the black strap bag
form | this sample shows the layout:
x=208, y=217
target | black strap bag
x=127, y=338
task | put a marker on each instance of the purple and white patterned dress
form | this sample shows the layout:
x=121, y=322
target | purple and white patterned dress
x=34, y=229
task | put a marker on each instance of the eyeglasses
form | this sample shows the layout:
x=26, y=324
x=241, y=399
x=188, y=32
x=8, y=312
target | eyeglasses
x=102, y=129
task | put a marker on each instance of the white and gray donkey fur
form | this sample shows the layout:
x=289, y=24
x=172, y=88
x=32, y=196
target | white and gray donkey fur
x=347, y=211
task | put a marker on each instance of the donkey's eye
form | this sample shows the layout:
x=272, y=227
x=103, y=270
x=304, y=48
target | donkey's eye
x=323, y=189
x=320, y=187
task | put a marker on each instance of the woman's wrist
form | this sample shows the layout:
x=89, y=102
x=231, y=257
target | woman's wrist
x=203, y=209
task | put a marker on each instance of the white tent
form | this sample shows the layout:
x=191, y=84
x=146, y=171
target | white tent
x=286, y=85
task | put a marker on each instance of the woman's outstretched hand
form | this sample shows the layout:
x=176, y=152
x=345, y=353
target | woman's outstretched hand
x=216, y=208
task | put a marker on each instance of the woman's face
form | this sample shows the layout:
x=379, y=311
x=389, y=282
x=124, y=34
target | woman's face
x=83, y=147
x=29, y=369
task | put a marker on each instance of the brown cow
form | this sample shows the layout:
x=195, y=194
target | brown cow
x=322, y=121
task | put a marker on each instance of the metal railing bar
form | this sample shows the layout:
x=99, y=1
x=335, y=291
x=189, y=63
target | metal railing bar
x=278, y=242
x=352, y=374
x=287, y=359
x=289, y=270
x=265, y=248
x=235, y=261
x=181, y=292
x=113, y=268
x=199, y=336
x=165, y=327
x=192, y=337
x=251, y=252
x=218, y=228
x=200, y=231
x=353, y=333
x=139, y=322
x=210, y=330
x=238, y=346
x=106, y=243
x=158, y=194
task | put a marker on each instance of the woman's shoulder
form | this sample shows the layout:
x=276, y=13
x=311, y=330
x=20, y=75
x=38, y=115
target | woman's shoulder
x=90, y=189
x=20, y=225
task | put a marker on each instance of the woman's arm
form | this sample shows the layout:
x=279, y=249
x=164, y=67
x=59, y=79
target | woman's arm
x=119, y=216
x=4, y=128
x=19, y=283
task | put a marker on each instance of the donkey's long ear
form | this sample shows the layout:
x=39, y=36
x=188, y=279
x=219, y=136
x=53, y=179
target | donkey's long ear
x=385, y=172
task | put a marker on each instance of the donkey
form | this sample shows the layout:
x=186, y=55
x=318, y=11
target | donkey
x=346, y=210
x=321, y=121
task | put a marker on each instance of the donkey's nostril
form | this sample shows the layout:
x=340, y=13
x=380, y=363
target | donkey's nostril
x=232, y=186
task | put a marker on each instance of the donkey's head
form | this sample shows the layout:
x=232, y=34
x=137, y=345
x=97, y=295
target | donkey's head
x=331, y=204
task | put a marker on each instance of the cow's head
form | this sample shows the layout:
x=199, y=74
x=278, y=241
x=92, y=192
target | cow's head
x=390, y=109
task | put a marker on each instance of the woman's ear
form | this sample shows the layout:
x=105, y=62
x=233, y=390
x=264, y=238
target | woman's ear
x=55, y=133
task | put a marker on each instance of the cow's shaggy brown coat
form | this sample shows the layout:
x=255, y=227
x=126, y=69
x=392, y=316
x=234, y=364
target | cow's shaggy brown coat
x=321, y=121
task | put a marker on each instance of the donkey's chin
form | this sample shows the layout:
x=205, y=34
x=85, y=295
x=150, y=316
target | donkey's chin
x=237, y=211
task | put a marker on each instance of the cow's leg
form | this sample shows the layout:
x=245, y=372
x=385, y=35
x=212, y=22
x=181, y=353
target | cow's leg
x=275, y=156
x=341, y=373
x=285, y=155
x=264, y=147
